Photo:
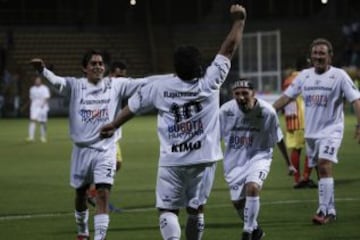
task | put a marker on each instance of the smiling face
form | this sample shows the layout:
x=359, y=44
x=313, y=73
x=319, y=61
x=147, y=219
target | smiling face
x=320, y=58
x=244, y=97
x=95, y=68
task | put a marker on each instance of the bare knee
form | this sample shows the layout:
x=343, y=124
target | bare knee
x=252, y=189
x=325, y=168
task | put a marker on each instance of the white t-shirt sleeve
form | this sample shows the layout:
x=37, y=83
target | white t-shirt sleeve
x=131, y=85
x=294, y=88
x=350, y=91
x=143, y=99
x=216, y=74
x=275, y=129
x=54, y=79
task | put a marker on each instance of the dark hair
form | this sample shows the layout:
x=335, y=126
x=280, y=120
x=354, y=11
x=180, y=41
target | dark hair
x=320, y=41
x=117, y=64
x=88, y=54
x=187, y=62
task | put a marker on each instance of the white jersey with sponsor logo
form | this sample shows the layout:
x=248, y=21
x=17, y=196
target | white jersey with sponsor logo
x=248, y=136
x=39, y=96
x=323, y=98
x=92, y=106
x=188, y=114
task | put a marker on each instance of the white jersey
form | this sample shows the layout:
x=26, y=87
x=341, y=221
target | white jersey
x=92, y=106
x=323, y=97
x=39, y=96
x=248, y=137
x=188, y=114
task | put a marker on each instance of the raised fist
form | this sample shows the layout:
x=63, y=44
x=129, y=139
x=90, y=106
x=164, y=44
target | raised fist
x=238, y=12
x=38, y=64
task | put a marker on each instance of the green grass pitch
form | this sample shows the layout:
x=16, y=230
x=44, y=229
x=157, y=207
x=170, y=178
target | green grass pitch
x=36, y=200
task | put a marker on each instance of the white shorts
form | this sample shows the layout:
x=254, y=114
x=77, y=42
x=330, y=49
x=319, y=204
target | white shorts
x=184, y=186
x=324, y=148
x=256, y=171
x=39, y=114
x=89, y=166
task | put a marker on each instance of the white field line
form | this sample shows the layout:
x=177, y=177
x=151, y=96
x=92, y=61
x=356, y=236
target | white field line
x=59, y=214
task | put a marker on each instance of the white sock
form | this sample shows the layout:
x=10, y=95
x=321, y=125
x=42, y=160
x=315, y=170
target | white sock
x=169, y=226
x=195, y=227
x=82, y=219
x=43, y=130
x=101, y=222
x=32, y=127
x=331, y=207
x=326, y=192
x=251, y=212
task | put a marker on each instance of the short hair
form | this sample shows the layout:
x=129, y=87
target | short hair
x=117, y=64
x=242, y=83
x=187, y=62
x=322, y=41
x=89, y=53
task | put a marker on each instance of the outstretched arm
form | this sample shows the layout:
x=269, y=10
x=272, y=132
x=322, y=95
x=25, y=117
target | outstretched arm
x=281, y=102
x=39, y=66
x=234, y=37
x=282, y=148
x=108, y=130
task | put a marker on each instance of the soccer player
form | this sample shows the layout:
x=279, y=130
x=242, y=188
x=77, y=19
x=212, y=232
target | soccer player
x=39, y=95
x=323, y=88
x=118, y=69
x=294, y=136
x=188, y=130
x=93, y=101
x=250, y=128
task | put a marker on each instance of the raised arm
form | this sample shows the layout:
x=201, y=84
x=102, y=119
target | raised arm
x=234, y=37
x=39, y=66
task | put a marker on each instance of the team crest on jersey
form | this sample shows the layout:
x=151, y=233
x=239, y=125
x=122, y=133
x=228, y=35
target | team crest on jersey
x=317, y=82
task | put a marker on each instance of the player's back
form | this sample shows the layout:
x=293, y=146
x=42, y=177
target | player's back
x=188, y=114
x=188, y=121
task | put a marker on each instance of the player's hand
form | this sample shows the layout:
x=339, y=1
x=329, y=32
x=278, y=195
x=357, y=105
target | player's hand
x=38, y=64
x=107, y=131
x=238, y=12
x=291, y=170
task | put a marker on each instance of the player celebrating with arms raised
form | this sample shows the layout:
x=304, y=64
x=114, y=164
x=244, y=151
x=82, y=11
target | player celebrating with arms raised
x=188, y=129
x=93, y=101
